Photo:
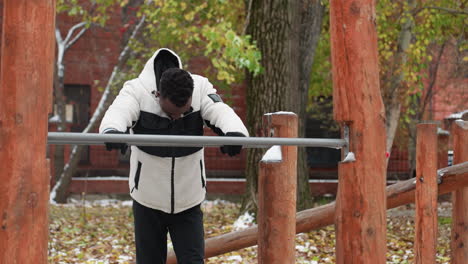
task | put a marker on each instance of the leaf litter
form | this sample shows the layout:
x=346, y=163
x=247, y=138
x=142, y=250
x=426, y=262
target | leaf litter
x=102, y=233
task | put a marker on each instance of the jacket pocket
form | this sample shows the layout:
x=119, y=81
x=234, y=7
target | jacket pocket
x=137, y=176
x=201, y=174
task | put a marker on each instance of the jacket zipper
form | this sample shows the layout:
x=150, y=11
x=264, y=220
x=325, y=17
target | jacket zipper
x=172, y=175
x=201, y=174
x=172, y=183
x=137, y=177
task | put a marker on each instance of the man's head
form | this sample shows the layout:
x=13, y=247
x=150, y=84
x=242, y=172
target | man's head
x=175, y=94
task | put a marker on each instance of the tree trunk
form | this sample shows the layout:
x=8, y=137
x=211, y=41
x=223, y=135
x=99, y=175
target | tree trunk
x=422, y=105
x=59, y=102
x=310, y=28
x=392, y=92
x=274, y=26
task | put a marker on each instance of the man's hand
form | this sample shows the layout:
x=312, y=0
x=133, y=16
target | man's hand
x=230, y=149
x=110, y=145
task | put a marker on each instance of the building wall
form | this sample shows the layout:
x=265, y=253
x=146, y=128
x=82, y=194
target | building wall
x=91, y=60
x=451, y=83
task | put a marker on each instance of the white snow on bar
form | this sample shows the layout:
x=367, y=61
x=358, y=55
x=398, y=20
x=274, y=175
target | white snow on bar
x=273, y=154
x=457, y=115
x=462, y=124
x=281, y=113
x=350, y=157
x=100, y=178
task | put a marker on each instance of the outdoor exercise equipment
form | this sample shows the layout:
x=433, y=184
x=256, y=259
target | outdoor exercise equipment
x=26, y=72
x=359, y=213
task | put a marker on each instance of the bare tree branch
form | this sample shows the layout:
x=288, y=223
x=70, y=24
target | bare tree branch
x=430, y=89
x=58, y=36
x=117, y=67
x=58, y=190
x=72, y=30
x=77, y=36
x=445, y=9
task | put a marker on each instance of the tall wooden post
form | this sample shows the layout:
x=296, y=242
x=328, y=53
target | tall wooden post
x=425, y=239
x=26, y=75
x=442, y=146
x=277, y=196
x=360, y=219
x=459, y=243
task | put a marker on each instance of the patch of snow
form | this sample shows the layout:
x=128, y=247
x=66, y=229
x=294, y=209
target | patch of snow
x=462, y=124
x=128, y=203
x=301, y=248
x=244, y=221
x=457, y=115
x=281, y=113
x=54, y=119
x=102, y=202
x=235, y=258
x=124, y=258
x=441, y=131
x=273, y=154
x=349, y=158
x=100, y=178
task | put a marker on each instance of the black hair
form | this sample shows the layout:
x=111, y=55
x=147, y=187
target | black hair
x=177, y=86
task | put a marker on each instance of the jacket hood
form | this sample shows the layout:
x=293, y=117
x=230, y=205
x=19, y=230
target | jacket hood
x=161, y=60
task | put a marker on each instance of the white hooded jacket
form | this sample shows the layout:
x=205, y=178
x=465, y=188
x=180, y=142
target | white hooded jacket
x=170, y=179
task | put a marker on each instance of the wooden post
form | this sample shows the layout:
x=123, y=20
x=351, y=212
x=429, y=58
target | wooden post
x=26, y=75
x=360, y=219
x=442, y=144
x=425, y=239
x=459, y=243
x=277, y=195
x=398, y=194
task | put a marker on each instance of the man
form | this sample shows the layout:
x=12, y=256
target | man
x=168, y=184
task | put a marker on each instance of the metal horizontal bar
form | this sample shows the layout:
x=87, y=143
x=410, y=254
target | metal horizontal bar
x=189, y=141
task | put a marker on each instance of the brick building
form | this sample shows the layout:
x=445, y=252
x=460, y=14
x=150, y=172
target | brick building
x=89, y=63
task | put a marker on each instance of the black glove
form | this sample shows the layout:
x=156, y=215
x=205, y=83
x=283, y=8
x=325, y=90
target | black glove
x=110, y=145
x=229, y=149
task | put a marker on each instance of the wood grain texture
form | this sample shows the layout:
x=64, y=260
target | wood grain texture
x=398, y=194
x=360, y=219
x=425, y=239
x=26, y=72
x=277, y=187
x=459, y=236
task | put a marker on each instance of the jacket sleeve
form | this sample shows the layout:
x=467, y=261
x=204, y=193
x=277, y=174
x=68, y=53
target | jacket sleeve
x=217, y=115
x=122, y=112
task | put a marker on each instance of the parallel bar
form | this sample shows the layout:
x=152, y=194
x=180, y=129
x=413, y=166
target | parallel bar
x=191, y=141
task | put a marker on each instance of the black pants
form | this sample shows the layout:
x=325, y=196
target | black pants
x=185, y=228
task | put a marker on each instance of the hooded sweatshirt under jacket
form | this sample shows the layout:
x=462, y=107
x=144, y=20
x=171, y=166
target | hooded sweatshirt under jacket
x=170, y=179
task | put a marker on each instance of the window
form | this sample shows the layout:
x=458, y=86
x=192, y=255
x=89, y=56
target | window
x=320, y=124
x=77, y=111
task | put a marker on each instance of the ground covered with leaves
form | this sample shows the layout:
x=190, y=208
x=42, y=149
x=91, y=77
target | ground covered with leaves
x=102, y=232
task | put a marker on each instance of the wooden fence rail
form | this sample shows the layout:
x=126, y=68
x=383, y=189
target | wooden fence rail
x=401, y=193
